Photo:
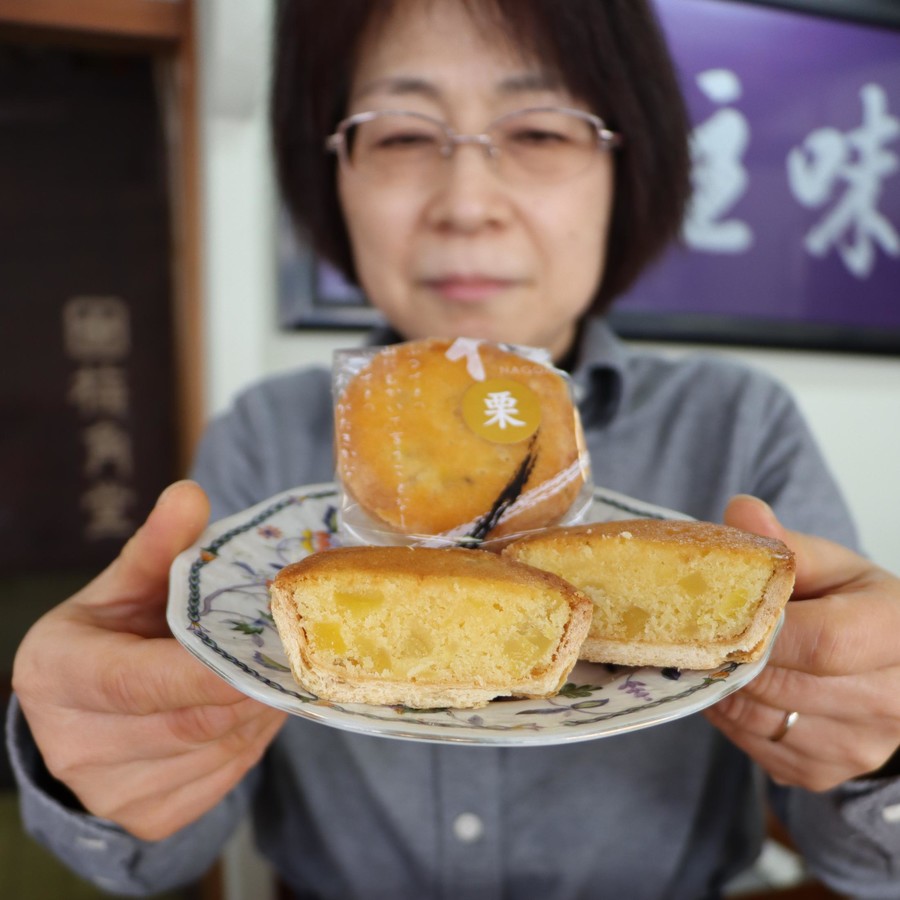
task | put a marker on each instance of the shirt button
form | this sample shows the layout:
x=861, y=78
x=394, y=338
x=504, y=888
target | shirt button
x=91, y=843
x=468, y=827
x=891, y=814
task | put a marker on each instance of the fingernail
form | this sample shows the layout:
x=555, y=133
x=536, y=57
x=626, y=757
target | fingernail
x=171, y=489
x=756, y=500
x=764, y=507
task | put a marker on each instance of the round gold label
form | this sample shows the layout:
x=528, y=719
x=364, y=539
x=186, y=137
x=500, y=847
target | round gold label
x=501, y=410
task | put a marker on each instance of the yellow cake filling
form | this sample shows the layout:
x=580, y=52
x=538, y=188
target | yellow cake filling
x=663, y=592
x=433, y=635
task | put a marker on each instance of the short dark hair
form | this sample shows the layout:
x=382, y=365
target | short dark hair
x=610, y=54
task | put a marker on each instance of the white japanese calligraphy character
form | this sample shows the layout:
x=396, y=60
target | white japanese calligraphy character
x=106, y=503
x=99, y=389
x=861, y=160
x=108, y=445
x=96, y=329
x=500, y=409
x=719, y=176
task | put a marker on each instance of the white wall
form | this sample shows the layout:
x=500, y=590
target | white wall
x=238, y=224
x=853, y=402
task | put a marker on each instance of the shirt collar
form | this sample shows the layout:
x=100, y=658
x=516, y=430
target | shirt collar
x=598, y=375
x=599, y=372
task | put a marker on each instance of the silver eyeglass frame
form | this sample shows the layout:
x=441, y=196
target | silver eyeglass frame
x=337, y=142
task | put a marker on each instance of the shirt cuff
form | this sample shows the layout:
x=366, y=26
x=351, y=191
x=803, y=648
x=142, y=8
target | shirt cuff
x=99, y=850
x=873, y=807
x=850, y=836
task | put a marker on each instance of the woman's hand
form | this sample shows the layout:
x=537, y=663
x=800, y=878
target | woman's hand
x=836, y=663
x=140, y=731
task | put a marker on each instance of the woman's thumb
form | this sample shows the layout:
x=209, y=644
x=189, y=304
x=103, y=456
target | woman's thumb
x=142, y=567
x=754, y=515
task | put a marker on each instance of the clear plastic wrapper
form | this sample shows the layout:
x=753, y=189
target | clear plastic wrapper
x=455, y=442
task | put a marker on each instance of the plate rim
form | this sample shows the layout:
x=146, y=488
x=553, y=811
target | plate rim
x=184, y=624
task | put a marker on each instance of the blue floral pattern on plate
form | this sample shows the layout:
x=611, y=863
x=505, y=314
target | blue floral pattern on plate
x=219, y=610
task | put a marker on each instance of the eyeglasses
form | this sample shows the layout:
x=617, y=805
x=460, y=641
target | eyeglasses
x=546, y=144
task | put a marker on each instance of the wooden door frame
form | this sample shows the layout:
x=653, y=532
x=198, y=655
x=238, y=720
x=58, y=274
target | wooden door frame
x=157, y=20
x=166, y=30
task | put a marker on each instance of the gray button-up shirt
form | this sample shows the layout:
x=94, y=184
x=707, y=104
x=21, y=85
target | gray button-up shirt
x=667, y=812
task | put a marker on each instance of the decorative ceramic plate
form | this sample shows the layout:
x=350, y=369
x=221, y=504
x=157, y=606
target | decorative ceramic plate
x=219, y=610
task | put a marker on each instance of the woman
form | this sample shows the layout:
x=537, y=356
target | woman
x=517, y=236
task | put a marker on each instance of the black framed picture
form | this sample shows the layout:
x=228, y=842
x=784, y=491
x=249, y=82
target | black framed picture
x=793, y=234
x=313, y=294
x=878, y=12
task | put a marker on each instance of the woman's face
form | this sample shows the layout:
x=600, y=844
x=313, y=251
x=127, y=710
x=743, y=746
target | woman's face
x=467, y=254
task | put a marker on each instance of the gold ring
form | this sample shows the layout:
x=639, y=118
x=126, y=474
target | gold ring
x=790, y=720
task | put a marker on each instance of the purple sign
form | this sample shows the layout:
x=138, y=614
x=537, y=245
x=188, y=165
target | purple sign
x=795, y=218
